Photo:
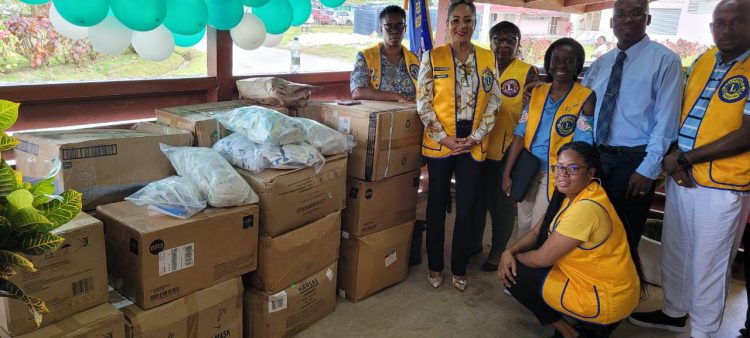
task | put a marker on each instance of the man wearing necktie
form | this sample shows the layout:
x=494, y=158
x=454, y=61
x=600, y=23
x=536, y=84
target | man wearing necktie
x=640, y=85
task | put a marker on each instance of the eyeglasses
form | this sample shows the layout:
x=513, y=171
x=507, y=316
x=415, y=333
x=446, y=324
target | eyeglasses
x=394, y=27
x=510, y=40
x=570, y=170
x=634, y=14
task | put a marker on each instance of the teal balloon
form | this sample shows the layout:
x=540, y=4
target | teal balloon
x=35, y=2
x=254, y=3
x=276, y=14
x=225, y=14
x=332, y=3
x=84, y=13
x=186, y=17
x=188, y=40
x=140, y=15
x=302, y=9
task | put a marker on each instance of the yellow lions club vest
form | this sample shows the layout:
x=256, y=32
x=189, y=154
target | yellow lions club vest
x=563, y=127
x=598, y=284
x=444, y=101
x=511, y=83
x=372, y=58
x=723, y=115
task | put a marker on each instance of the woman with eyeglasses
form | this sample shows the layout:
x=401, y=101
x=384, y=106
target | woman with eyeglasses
x=559, y=111
x=576, y=260
x=457, y=99
x=387, y=71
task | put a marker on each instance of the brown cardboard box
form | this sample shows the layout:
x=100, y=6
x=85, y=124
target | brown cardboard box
x=290, y=199
x=106, y=165
x=388, y=136
x=101, y=321
x=290, y=257
x=211, y=312
x=290, y=311
x=200, y=118
x=154, y=259
x=375, y=206
x=374, y=262
x=69, y=280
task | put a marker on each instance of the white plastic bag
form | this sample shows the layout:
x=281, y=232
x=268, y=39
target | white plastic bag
x=298, y=156
x=326, y=140
x=242, y=153
x=174, y=196
x=263, y=125
x=213, y=175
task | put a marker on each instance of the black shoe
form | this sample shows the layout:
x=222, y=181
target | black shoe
x=489, y=267
x=657, y=319
x=745, y=333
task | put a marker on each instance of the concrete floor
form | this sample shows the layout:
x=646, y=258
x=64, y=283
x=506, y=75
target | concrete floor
x=414, y=309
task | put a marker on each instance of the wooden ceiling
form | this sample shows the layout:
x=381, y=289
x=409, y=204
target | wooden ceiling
x=570, y=6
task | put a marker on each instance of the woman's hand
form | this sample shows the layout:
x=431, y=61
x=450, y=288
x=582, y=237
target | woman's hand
x=507, y=183
x=454, y=144
x=467, y=143
x=528, y=89
x=506, y=271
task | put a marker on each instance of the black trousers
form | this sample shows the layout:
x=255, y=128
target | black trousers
x=746, y=266
x=441, y=170
x=502, y=209
x=618, y=163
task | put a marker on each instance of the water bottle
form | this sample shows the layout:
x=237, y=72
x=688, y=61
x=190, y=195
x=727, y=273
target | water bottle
x=296, y=53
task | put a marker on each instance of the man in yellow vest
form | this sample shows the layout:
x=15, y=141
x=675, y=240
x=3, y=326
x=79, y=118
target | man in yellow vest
x=387, y=71
x=708, y=194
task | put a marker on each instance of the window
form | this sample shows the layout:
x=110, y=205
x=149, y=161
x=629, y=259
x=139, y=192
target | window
x=701, y=6
x=553, y=26
x=664, y=21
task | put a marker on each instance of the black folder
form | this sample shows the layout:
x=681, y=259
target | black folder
x=523, y=173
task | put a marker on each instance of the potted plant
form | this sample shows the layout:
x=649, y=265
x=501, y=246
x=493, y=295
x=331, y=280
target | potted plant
x=649, y=250
x=28, y=212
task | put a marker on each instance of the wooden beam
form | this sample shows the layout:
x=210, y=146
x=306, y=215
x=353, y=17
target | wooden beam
x=599, y=6
x=220, y=64
x=569, y=3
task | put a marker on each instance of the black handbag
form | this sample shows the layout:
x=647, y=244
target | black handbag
x=523, y=173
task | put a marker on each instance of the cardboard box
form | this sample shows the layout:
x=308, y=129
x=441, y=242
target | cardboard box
x=388, y=136
x=70, y=280
x=375, y=206
x=200, y=119
x=290, y=199
x=154, y=259
x=290, y=257
x=106, y=165
x=290, y=311
x=101, y=321
x=374, y=262
x=211, y=312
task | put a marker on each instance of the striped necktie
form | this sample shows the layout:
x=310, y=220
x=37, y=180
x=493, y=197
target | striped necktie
x=610, y=100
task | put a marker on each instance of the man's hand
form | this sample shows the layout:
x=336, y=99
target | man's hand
x=639, y=186
x=682, y=178
x=670, y=163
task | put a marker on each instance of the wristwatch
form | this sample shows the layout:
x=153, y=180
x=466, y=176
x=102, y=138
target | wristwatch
x=682, y=161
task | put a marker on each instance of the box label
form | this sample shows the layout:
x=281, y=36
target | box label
x=82, y=286
x=277, y=302
x=345, y=125
x=176, y=259
x=390, y=259
x=87, y=152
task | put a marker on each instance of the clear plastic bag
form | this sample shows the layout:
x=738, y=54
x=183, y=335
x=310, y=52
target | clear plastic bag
x=213, y=175
x=326, y=140
x=263, y=125
x=241, y=152
x=174, y=196
x=298, y=156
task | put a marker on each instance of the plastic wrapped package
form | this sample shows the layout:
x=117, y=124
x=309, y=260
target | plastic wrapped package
x=326, y=140
x=213, y=175
x=263, y=125
x=243, y=153
x=174, y=196
x=299, y=155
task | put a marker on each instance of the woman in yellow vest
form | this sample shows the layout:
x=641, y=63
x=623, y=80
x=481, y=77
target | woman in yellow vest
x=457, y=98
x=559, y=112
x=513, y=75
x=576, y=260
x=387, y=71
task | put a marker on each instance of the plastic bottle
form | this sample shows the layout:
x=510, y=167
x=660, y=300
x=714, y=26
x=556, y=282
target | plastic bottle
x=296, y=54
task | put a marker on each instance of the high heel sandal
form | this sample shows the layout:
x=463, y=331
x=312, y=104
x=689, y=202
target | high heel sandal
x=460, y=284
x=435, y=281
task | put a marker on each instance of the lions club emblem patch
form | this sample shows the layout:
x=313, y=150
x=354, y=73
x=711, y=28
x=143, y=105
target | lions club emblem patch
x=510, y=88
x=733, y=89
x=488, y=80
x=565, y=125
x=414, y=71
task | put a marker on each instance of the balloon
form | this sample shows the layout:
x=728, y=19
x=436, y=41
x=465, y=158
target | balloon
x=188, y=40
x=35, y=2
x=224, y=14
x=154, y=45
x=66, y=28
x=110, y=36
x=84, y=13
x=254, y=3
x=250, y=33
x=186, y=17
x=302, y=9
x=140, y=15
x=332, y=3
x=273, y=40
x=276, y=14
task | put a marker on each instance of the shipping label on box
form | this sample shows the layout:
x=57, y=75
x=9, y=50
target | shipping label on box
x=154, y=258
x=69, y=280
x=375, y=206
x=103, y=321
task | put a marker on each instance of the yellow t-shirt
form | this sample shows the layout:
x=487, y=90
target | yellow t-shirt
x=585, y=221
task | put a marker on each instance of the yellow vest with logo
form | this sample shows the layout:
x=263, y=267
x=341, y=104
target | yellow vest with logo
x=444, y=100
x=563, y=127
x=372, y=58
x=723, y=116
x=598, y=284
x=512, y=82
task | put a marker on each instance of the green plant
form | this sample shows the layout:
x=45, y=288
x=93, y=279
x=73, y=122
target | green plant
x=28, y=212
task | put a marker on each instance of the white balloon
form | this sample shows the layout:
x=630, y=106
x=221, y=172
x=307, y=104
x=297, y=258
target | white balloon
x=250, y=33
x=66, y=28
x=110, y=36
x=273, y=40
x=154, y=45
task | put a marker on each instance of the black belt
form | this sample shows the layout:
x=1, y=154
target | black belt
x=615, y=150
